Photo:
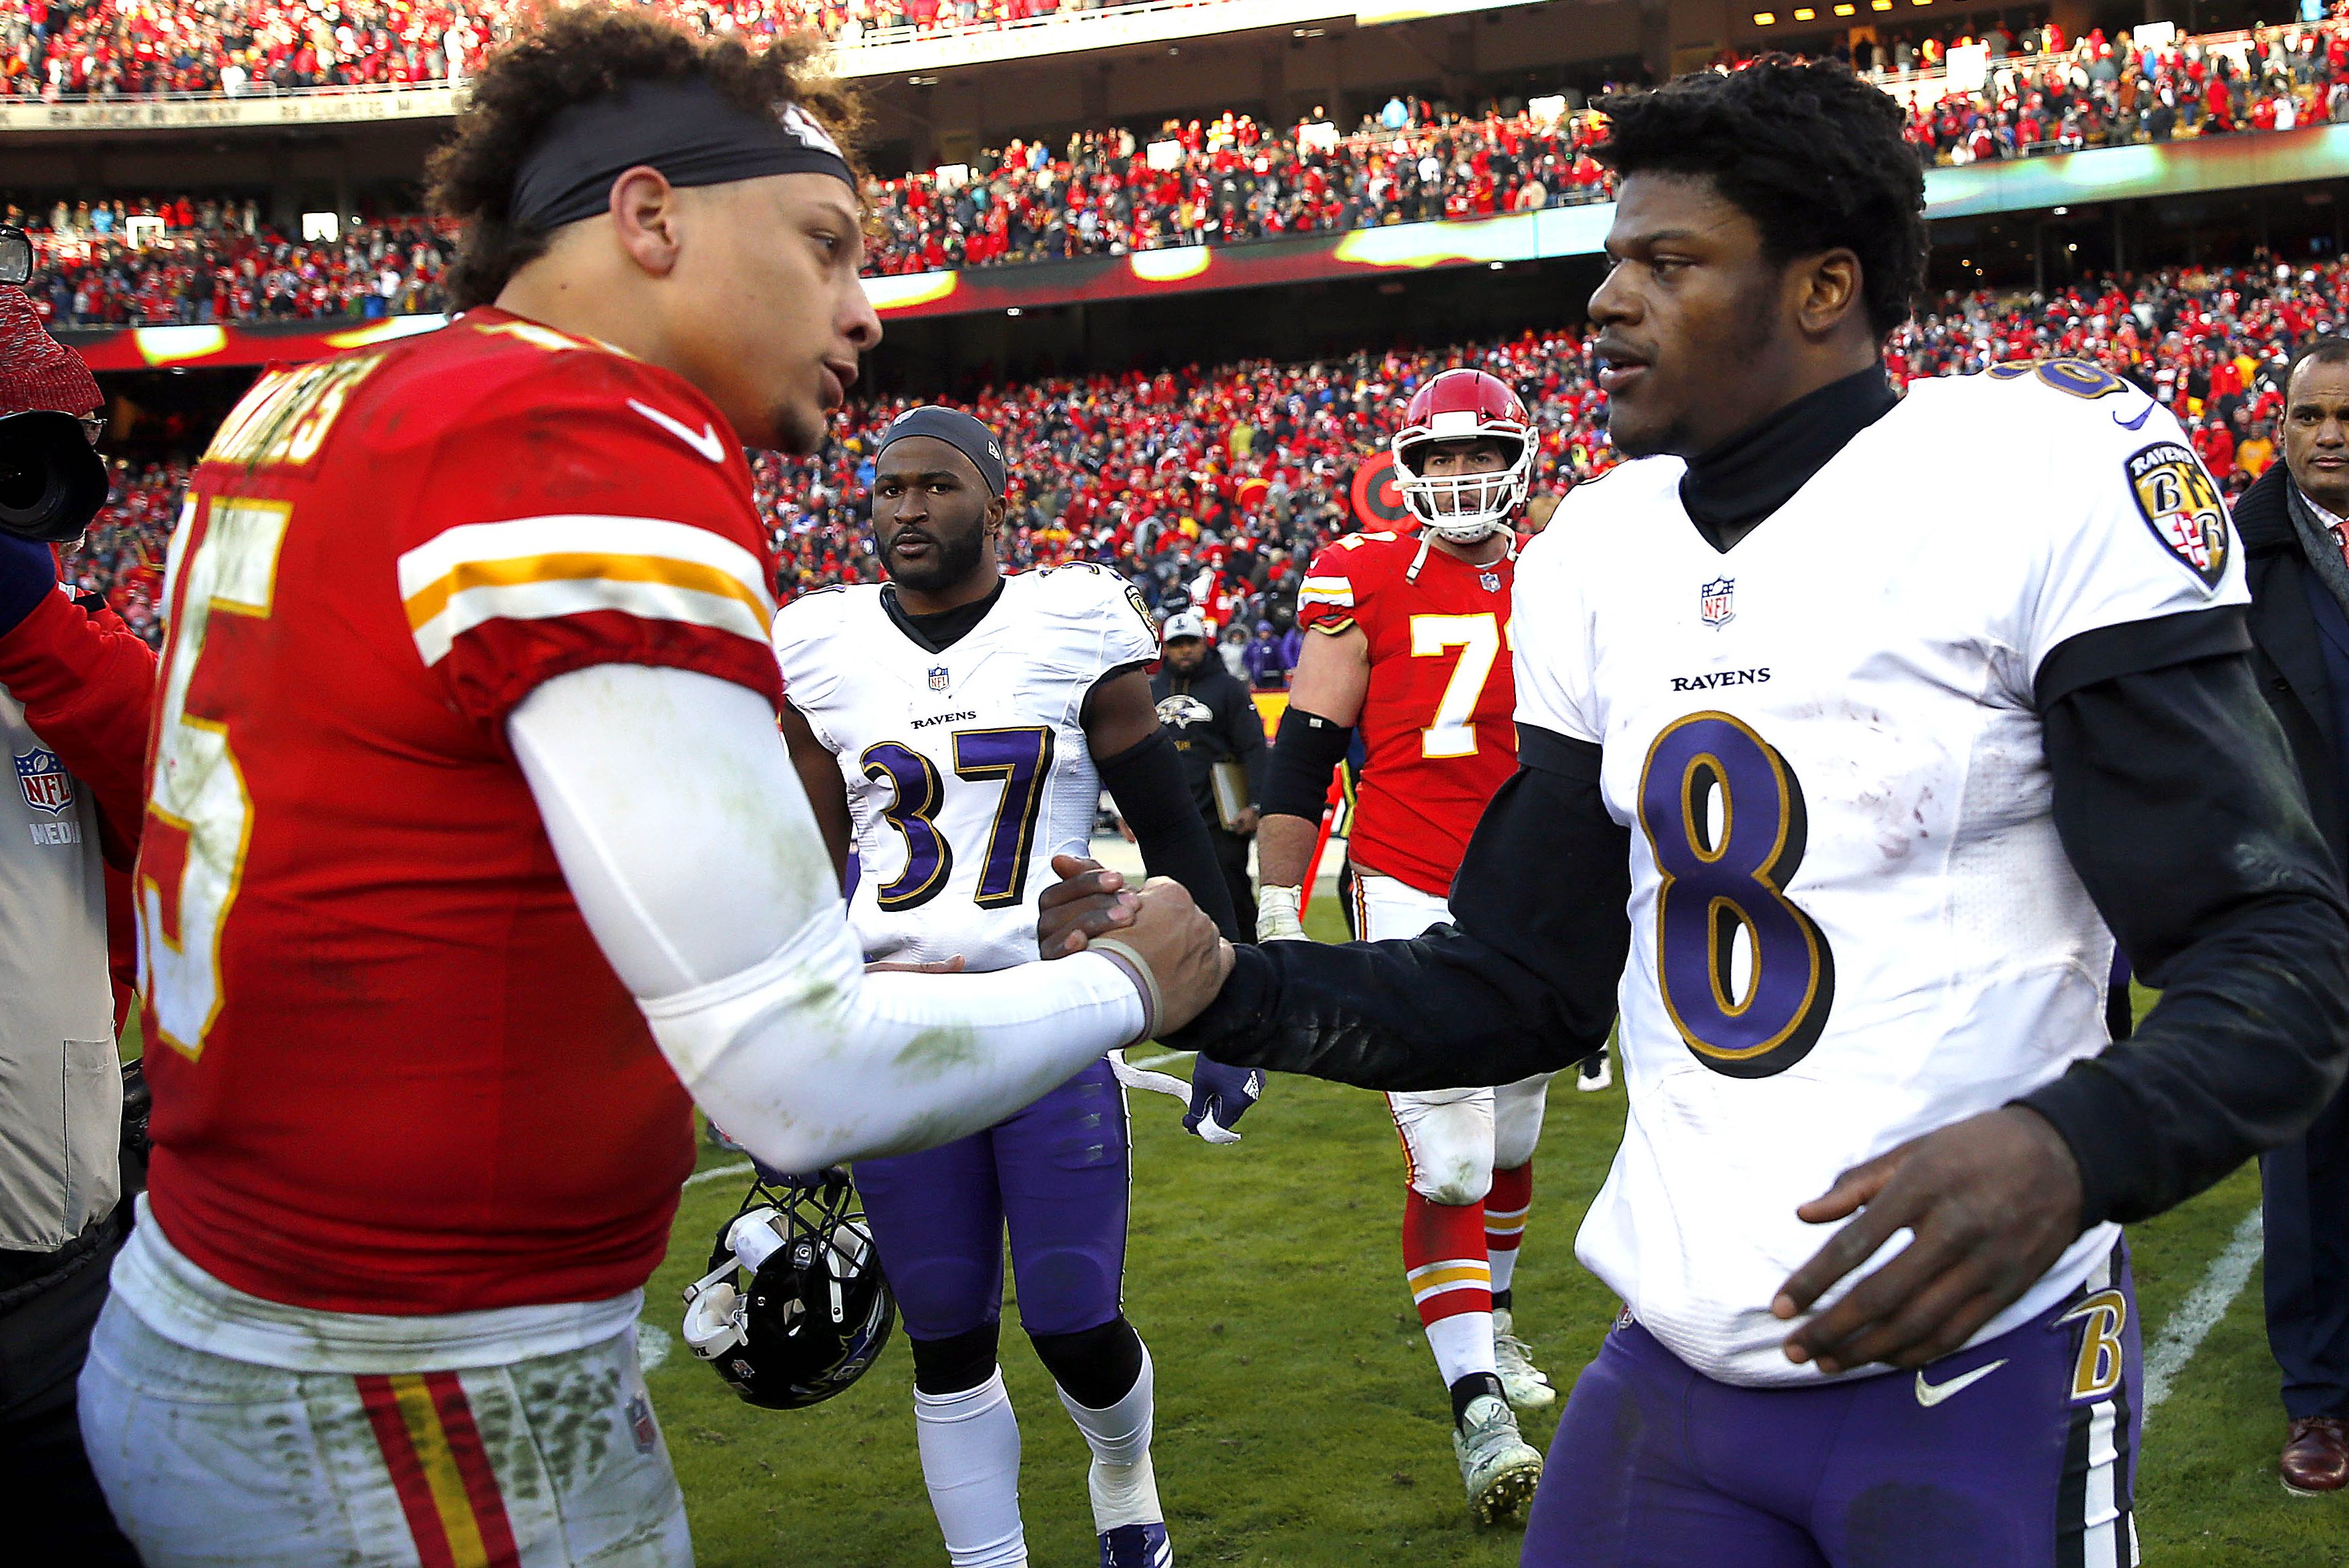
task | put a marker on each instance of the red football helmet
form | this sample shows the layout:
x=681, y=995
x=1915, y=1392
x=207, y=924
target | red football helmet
x=1463, y=406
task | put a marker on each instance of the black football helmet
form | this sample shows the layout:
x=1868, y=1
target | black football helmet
x=816, y=1311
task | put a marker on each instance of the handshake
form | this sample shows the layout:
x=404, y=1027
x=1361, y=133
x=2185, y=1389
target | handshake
x=1179, y=958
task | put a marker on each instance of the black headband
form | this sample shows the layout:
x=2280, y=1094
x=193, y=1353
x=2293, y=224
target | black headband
x=684, y=128
x=957, y=429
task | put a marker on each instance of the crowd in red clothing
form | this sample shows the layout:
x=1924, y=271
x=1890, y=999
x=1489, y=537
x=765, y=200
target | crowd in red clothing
x=1217, y=486
x=121, y=556
x=1232, y=178
x=181, y=261
x=2046, y=94
x=1221, y=180
x=127, y=48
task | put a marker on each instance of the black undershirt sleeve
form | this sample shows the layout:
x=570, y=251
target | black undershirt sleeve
x=2137, y=646
x=1296, y=776
x=2178, y=806
x=1146, y=782
x=1523, y=983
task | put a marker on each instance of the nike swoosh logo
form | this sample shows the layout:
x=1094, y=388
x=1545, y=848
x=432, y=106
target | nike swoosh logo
x=1929, y=1395
x=2136, y=424
x=707, y=442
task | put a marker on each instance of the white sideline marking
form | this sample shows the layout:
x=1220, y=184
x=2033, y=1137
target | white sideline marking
x=718, y=1173
x=1160, y=1061
x=2200, y=1313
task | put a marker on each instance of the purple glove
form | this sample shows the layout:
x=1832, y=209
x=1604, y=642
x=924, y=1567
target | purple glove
x=27, y=573
x=1220, y=1096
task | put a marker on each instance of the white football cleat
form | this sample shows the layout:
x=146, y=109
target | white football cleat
x=1499, y=1468
x=1528, y=1387
x=1591, y=1083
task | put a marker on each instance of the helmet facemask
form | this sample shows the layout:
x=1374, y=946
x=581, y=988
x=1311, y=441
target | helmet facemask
x=1463, y=508
x=794, y=1308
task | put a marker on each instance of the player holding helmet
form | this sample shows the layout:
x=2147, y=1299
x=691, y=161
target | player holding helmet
x=1412, y=644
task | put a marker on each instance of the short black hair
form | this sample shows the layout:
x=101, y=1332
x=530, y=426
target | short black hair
x=1817, y=158
x=2323, y=348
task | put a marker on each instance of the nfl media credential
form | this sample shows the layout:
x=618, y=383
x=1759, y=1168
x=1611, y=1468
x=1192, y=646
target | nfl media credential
x=48, y=787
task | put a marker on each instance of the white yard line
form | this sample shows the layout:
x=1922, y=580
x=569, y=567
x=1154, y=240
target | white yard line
x=1146, y=1063
x=718, y=1173
x=2200, y=1313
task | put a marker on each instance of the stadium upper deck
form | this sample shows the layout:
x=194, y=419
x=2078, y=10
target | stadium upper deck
x=207, y=284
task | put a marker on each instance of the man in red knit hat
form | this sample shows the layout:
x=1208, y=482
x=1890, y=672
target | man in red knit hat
x=75, y=685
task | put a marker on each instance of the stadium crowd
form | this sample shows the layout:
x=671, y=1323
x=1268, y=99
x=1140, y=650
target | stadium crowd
x=183, y=261
x=180, y=260
x=1214, y=488
x=2044, y=94
x=134, y=48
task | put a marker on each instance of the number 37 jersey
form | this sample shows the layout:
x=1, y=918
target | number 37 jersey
x=1852, y=920
x=966, y=770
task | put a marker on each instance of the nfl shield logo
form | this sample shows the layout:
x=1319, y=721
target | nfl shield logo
x=47, y=786
x=1716, y=602
x=642, y=1429
x=1491, y=580
x=937, y=677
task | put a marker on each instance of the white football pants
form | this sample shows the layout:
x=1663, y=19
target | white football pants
x=552, y=1462
x=1453, y=1139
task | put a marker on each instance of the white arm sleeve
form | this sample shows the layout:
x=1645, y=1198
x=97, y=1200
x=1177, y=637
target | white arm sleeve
x=687, y=842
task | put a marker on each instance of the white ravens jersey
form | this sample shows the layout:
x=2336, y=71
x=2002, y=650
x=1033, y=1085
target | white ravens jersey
x=966, y=770
x=1852, y=921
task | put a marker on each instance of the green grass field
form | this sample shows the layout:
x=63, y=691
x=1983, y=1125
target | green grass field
x=1299, y=1418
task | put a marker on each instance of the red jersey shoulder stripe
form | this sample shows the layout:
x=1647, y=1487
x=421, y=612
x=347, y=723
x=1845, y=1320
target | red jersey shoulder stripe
x=541, y=568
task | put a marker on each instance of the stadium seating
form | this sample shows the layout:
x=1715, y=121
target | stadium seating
x=2101, y=92
x=163, y=263
x=1220, y=484
x=129, y=48
x=1222, y=180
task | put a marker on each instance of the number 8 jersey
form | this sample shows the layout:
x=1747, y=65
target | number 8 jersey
x=967, y=769
x=1852, y=920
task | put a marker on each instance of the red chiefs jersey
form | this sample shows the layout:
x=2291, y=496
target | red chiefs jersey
x=1438, y=722
x=393, y=1072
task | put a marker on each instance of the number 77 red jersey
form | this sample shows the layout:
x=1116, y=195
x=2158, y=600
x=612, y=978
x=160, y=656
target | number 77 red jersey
x=1438, y=721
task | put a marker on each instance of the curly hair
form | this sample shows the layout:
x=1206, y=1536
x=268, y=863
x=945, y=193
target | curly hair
x=578, y=55
x=1814, y=156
